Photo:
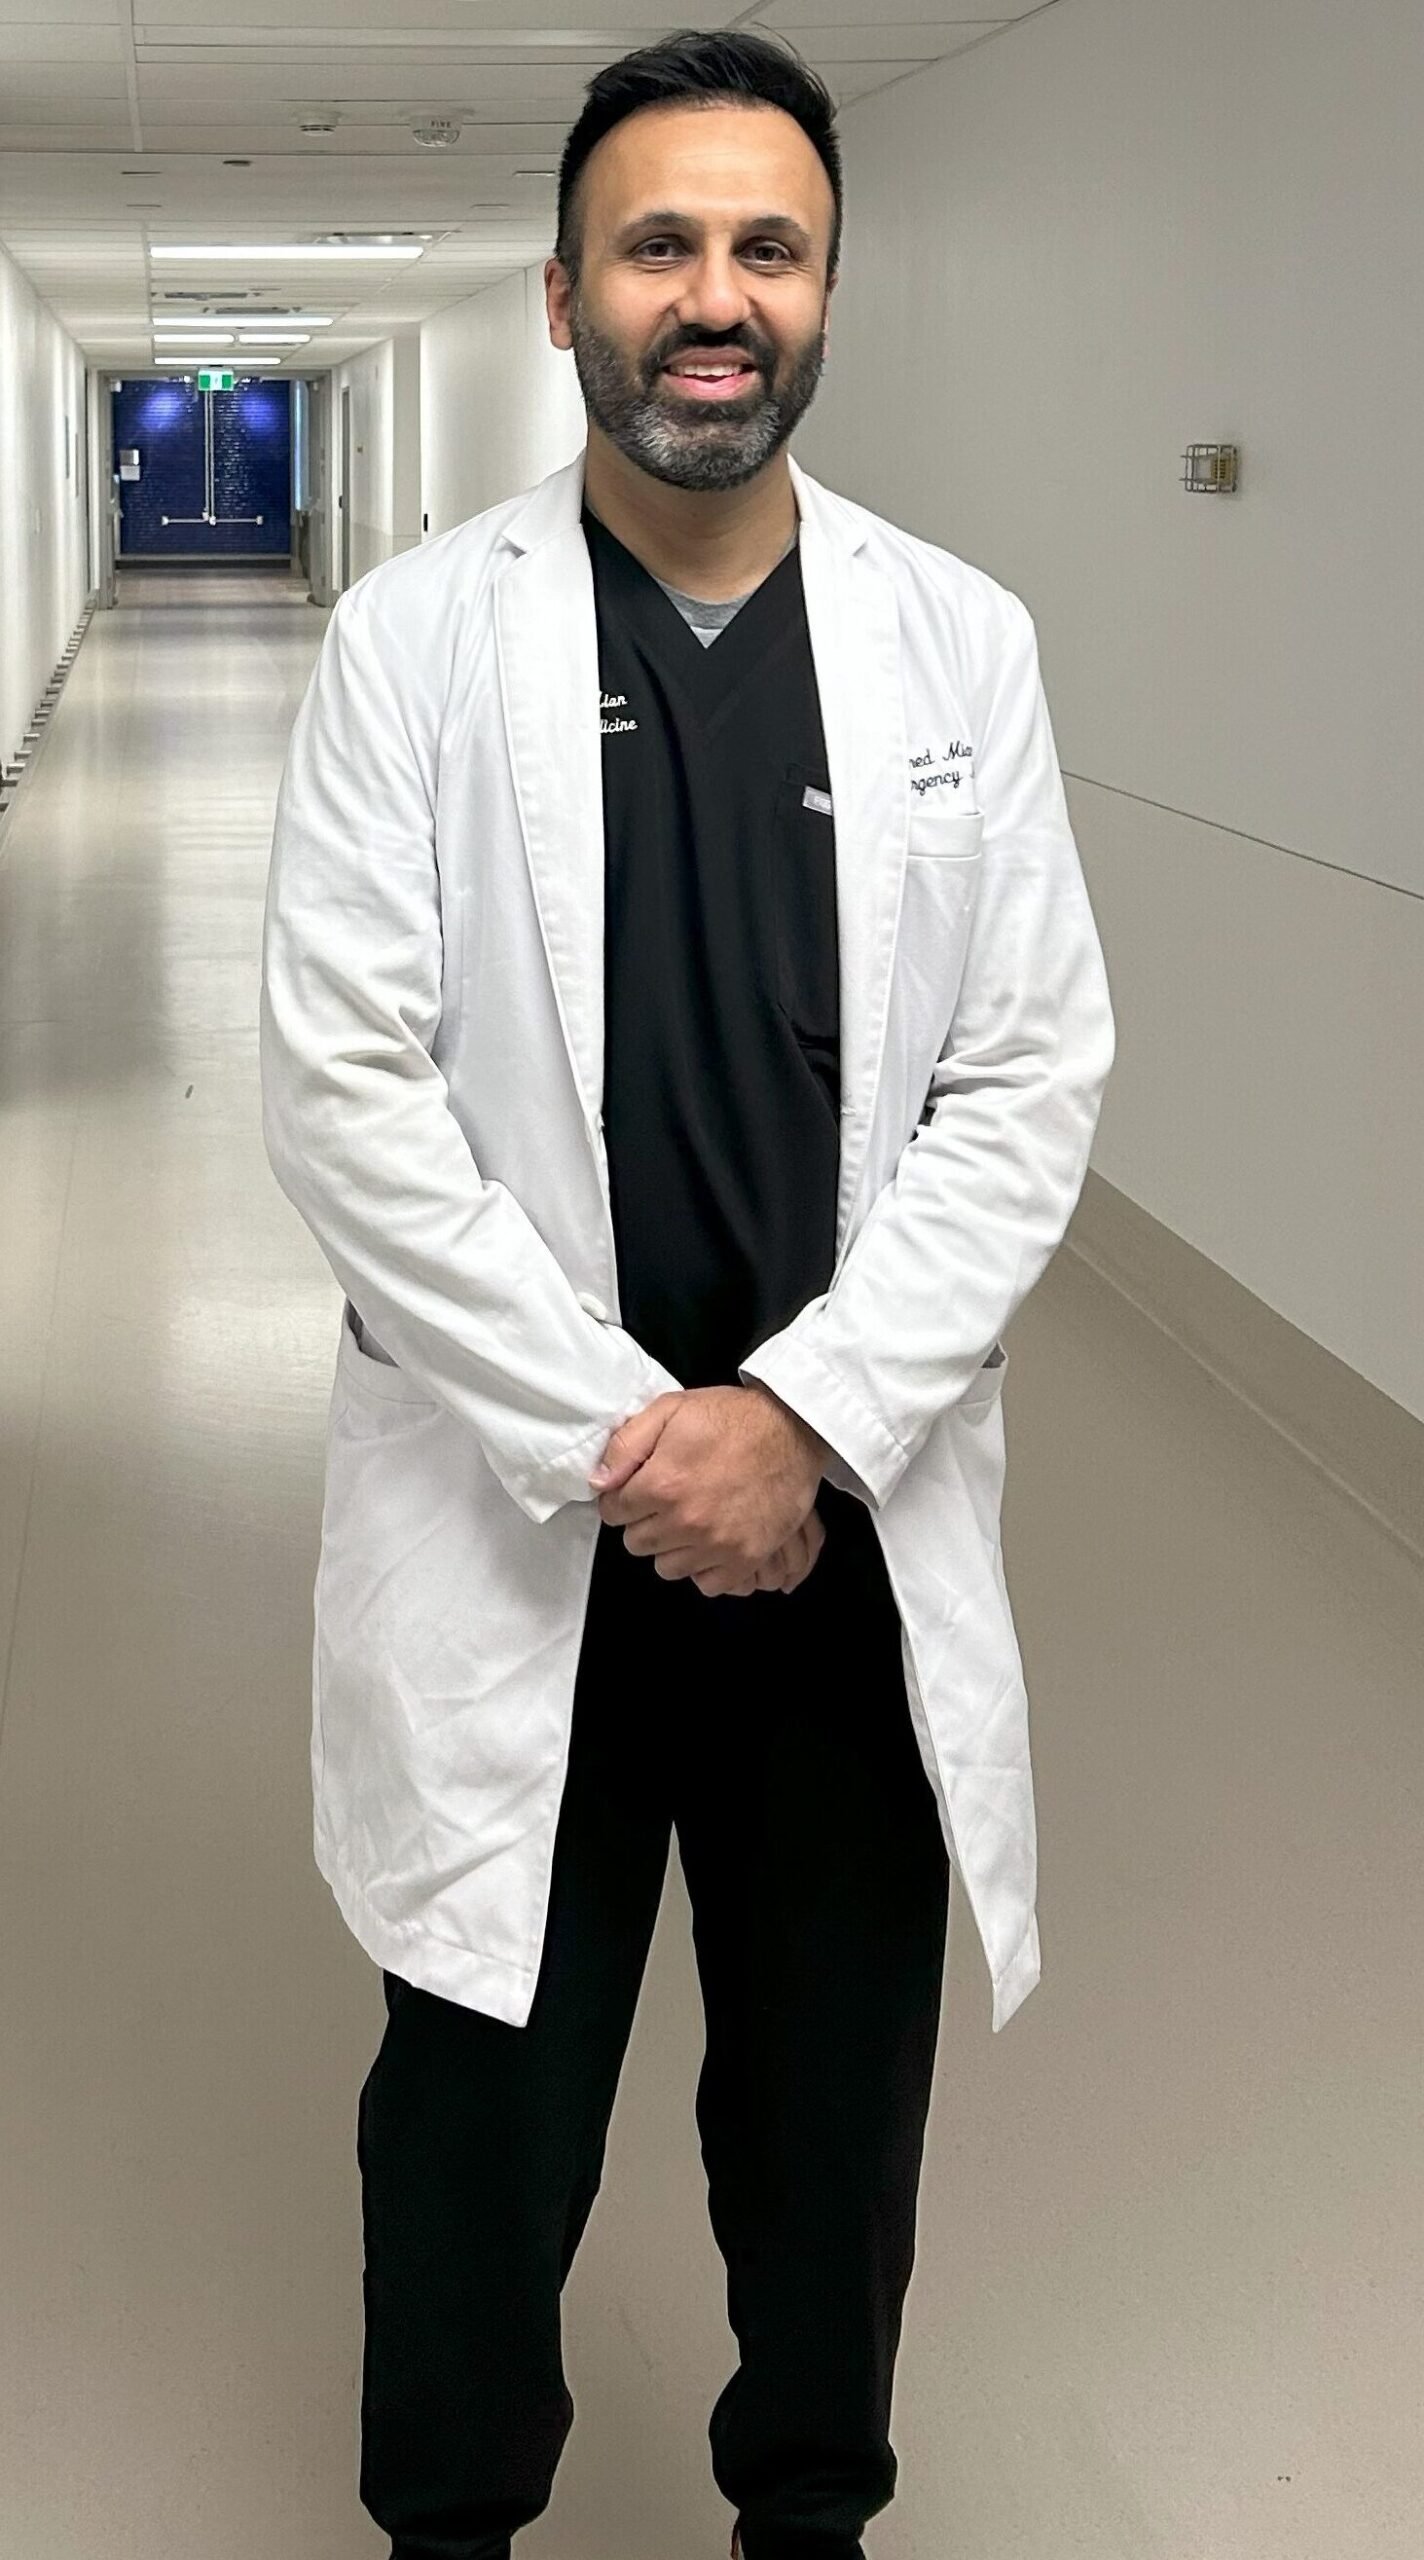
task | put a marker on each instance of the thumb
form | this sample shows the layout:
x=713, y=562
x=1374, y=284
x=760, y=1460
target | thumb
x=632, y=1444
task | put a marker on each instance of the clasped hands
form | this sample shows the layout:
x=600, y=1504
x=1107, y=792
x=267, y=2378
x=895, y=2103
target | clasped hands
x=717, y=1485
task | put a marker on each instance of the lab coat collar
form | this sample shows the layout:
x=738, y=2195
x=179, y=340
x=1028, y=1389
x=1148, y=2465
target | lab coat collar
x=556, y=507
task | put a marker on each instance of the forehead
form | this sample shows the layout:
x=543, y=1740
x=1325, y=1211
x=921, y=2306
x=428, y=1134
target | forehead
x=716, y=161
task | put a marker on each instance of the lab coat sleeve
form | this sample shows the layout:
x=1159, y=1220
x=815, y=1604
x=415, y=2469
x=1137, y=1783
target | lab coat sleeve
x=450, y=1273
x=983, y=1191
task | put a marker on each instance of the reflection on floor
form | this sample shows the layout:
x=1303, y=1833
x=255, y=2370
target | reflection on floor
x=185, y=584
x=1163, y=2306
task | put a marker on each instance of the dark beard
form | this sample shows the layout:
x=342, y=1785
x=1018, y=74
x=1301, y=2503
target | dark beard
x=675, y=441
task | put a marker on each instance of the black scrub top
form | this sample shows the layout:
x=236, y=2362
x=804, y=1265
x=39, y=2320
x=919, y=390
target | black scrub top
x=721, y=1101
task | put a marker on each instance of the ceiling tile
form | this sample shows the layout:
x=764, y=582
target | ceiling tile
x=861, y=41
x=51, y=13
x=58, y=44
x=66, y=84
x=630, y=21
x=795, y=14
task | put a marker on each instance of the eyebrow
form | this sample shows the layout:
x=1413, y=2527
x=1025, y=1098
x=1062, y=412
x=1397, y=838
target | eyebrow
x=668, y=219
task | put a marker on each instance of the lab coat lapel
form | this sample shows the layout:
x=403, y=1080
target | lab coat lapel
x=854, y=623
x=547, y=632
x=548, y=652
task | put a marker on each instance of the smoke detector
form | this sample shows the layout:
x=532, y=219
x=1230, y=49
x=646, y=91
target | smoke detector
x=436, y=133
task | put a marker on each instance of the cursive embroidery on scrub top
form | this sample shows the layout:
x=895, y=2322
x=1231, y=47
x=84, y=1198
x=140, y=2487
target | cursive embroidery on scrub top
x=613, y=702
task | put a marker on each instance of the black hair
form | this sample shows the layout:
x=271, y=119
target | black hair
x=692, y=69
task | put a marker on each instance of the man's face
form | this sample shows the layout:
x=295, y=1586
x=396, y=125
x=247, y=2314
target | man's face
x=698, y=323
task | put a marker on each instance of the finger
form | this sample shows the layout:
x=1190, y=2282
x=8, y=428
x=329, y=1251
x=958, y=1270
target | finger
x=803, y=1553
x=646, y=1532
x=797, y=1565
x=683, y=1564
x=632, y=1444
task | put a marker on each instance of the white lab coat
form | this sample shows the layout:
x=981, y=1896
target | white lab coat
x=432, y=1057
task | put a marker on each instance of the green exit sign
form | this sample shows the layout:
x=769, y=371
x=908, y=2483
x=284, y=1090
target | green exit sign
x=215, y=377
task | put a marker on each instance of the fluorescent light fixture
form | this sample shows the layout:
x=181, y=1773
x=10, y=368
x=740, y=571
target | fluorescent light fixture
x=199, y=364
x=249, y=320
x=200, y=337
x=261, y=252
x=272, y=338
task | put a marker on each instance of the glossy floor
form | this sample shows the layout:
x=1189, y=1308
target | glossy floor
x=1166, y=2305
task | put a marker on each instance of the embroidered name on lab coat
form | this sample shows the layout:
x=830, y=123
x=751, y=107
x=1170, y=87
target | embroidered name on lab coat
x=941, y=768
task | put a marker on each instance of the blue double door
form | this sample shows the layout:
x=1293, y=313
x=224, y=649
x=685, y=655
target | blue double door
x=214, y=469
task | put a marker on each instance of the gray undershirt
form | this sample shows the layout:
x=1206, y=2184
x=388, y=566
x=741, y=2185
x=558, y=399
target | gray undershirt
x=709, y=621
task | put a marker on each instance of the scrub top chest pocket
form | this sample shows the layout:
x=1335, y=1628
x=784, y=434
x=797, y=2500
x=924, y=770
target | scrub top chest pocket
x=806, y=944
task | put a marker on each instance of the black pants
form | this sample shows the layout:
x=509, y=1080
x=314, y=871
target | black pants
x=773, y=1733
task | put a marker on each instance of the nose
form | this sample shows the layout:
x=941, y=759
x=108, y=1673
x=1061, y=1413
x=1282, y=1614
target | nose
x=716, y=296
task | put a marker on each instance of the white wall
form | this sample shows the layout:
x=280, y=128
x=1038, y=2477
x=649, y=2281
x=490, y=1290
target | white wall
x=1119, y=228
x=1122, y=227
x=384, y=496
x=499, y=406
x=43, y=512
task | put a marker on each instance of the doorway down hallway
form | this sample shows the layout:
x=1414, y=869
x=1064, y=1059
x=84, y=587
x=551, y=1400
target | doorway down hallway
x=1165, y=2304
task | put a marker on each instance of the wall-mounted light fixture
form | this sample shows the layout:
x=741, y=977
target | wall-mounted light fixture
x=1212, y=470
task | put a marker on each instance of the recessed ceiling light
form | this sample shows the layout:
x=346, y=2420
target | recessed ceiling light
x=260, y=253
x=273, y=338
x=203, y=337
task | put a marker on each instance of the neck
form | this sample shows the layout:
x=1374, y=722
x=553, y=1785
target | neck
x=712, y=543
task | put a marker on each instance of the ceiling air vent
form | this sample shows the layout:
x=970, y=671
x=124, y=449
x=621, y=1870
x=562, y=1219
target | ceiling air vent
x=373, y=239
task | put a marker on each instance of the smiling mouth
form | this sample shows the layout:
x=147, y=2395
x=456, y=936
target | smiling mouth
x=711, y=379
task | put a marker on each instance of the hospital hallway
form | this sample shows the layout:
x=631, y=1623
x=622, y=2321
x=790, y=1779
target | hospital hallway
x=1165, y=2300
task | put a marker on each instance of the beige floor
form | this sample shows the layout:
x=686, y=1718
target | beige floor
x=1167, y=2303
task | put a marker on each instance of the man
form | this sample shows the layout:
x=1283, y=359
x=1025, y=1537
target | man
x=683, y=1029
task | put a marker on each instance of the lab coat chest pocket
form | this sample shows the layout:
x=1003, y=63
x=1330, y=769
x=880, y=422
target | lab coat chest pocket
x=943, y=861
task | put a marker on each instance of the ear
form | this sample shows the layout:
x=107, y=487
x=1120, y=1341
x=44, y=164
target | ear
x=558, y=294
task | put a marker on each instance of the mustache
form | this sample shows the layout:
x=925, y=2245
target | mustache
x=748, y=342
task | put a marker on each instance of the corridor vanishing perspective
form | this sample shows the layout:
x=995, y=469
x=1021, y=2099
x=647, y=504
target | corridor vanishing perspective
x=1222, y=1649
x=673, y=790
